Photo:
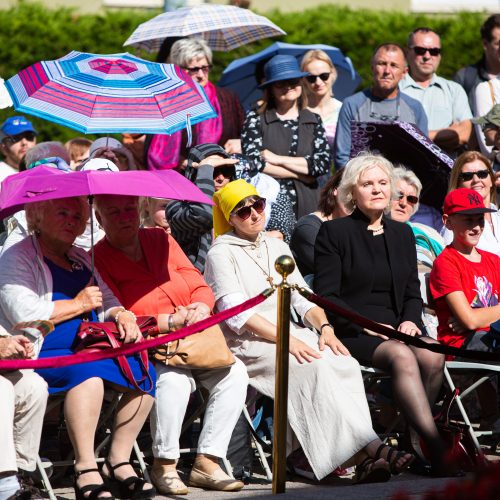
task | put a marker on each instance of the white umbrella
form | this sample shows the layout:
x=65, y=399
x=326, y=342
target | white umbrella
x=224, y=27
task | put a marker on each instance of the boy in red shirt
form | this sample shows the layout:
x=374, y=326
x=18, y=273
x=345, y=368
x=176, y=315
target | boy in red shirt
x=465, y=284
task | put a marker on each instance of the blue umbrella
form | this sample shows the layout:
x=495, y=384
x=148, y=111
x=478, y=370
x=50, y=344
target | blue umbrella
x=240, y=74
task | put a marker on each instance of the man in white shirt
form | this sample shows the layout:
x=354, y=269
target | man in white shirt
x=17, y=136
x=445, y=102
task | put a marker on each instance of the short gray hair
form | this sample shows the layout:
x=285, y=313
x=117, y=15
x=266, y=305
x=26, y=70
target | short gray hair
x=401, y=173
x=185, y=50
x=46, y=149
x=353, y=170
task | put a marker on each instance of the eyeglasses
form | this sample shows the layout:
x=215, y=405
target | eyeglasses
x=13, y=139
x=411, y=199
x=245, y=212
x=295, y=82
x=468, y=176
x=321, y=76
x=226, y=172
x=196, y=69
x=420, y=51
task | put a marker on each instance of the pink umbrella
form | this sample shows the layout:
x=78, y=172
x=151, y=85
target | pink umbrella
x=47, y=183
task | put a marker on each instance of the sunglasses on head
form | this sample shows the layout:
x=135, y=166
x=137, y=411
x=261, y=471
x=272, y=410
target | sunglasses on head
x=195, y=69
x=321, y=76
x=13, y=139
x=294, y=82
x=468, y=176
x=410, y=198
x=245, y=212
x=433, y=51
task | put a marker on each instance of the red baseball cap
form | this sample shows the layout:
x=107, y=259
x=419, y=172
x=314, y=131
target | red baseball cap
x=464, y=201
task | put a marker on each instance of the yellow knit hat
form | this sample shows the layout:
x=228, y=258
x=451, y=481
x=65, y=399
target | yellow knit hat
x=225, y=200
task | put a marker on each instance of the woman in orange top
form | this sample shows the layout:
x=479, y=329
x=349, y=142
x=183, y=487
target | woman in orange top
x=151, y=275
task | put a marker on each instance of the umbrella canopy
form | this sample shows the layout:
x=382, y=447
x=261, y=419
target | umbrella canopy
x=47, y=183
x=240, y=74
x=224, y=27
x=113, y=93
x=402, y=142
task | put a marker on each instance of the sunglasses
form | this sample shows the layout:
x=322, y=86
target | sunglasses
x=321, y=76
x=226, y=172
x=468, y=176
x=295, y=82
x=195, y=69
x=13, y=139
x=411, y=199
x=245, y=212
x=420, y=51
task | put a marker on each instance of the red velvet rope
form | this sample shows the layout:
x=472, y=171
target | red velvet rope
x=128, y=349
x=394, y=334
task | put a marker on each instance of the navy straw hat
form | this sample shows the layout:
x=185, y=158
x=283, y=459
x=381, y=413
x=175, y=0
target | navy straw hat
x=281, y=67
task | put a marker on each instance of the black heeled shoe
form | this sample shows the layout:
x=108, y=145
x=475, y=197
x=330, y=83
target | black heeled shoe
x=130, y=488
x=94, y=489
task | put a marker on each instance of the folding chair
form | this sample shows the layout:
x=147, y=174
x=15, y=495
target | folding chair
x=485, y=372
x=111, y=398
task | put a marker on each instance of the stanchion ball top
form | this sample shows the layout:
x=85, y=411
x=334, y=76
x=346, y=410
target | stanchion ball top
x=285, y=265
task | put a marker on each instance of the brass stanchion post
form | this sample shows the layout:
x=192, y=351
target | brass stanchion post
x=285, y=266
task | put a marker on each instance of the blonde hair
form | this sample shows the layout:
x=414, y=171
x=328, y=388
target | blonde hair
x=318, y=55
x=353, y=171
x=35, y=213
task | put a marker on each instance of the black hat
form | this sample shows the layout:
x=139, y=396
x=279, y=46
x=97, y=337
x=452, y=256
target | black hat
x=202, y=151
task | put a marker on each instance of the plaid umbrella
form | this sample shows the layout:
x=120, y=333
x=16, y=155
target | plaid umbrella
x=224, y=27
x=113, y=93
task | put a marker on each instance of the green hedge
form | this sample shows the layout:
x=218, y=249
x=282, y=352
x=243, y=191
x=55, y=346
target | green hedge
x=30, y=32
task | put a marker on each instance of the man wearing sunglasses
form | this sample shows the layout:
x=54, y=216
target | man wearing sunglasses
x=445, y=102
x=382, y=102
x=17, y=136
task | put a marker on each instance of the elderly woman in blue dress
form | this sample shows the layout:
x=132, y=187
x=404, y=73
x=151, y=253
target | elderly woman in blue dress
x=45, y=277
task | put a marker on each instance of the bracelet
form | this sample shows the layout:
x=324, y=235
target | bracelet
x=324, y=325
x=124, y=310
x=171, y=325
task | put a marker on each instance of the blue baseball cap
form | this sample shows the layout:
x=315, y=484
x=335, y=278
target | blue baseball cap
x=16, y=125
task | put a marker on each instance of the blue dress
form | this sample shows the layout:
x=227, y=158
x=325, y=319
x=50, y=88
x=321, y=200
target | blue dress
x=67, y=285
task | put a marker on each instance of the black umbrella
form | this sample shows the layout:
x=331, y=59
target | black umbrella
x=404, y=143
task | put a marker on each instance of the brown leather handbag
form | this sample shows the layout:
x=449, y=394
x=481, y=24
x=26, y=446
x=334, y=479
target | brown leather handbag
x=204, y=350
x=94, y=336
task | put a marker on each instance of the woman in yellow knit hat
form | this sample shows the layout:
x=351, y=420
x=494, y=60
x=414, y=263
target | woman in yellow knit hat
x=328, y=412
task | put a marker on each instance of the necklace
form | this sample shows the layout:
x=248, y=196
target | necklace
x=376, y=230
x=269, y=278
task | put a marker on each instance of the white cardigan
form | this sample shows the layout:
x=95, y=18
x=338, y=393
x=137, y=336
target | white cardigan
x=26, y=285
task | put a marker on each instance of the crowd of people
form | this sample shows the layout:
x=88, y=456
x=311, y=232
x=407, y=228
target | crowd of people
x=284, y=182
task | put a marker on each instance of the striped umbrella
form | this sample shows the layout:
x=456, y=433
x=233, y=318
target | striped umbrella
x=224, y=27
x=113, y=93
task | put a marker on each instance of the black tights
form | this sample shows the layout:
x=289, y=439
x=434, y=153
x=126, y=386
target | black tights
x=417, y=376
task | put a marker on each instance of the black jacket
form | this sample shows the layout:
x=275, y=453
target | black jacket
x=344, y=263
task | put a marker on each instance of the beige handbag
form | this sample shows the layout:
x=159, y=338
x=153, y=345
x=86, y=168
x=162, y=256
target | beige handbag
x=204, y=350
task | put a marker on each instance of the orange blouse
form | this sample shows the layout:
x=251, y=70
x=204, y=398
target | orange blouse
x=157, y=284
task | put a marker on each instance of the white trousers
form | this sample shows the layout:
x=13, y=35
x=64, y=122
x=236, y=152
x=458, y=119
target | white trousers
x=227, y=392
x=23, y=399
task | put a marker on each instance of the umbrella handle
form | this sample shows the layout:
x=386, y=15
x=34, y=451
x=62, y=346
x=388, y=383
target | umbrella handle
x=189, y=131
x=92, y=265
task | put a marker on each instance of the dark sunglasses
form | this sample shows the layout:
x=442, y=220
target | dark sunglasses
x=420, y=51
x=411, y=199
x=321, y=76
x=13, y=139
x=226, y=172
x=195, y=69
x=468, y=176
x=245, y=212
x=295, y=82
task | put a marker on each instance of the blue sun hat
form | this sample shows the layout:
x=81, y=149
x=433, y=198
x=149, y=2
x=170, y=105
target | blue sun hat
x=281, y=67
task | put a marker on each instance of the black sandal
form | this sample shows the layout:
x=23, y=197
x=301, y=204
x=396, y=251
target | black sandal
x=393, y=455
x=94, y=489
x=366, y=472
x=131, y=487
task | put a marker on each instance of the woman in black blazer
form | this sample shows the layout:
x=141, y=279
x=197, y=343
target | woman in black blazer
x=367, y=263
